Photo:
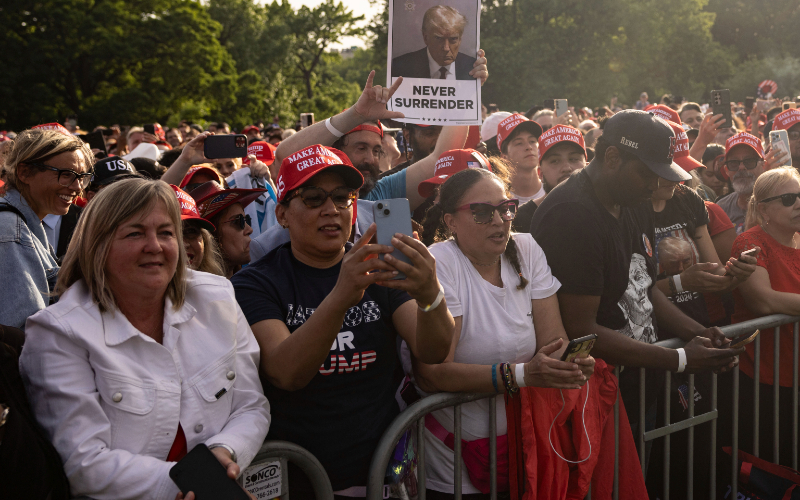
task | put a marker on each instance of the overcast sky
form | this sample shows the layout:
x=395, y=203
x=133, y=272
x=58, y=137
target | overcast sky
x=359, y=7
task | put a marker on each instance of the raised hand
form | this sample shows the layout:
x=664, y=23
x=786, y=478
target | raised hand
x=371, y=105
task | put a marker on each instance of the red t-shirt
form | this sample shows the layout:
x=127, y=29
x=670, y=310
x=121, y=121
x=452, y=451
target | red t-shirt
x=783, y=265
x=718, y=221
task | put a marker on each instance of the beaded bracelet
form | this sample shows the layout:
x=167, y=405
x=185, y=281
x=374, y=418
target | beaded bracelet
x=508, y=381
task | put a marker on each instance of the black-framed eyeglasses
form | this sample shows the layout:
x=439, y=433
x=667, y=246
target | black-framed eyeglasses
x=314, y=197
x=67, y=176
x=240, y=221
x=786, y=199
x=749, y=164
x=483, y=213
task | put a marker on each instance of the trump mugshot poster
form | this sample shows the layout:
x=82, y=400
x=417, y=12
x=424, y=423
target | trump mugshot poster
x=433, y=45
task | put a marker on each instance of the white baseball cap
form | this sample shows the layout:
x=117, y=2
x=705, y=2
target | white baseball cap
x=489, y=127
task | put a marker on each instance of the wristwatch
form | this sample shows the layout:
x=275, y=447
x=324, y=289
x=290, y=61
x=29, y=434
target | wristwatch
x=220, y=445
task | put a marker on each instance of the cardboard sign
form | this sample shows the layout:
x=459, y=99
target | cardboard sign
x=433, y=45
x=263, y=480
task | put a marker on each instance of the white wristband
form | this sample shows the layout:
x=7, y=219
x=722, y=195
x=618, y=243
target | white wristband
x=519, y=374
x=435, y=303
x=677, y=280
x=681, y=360
x=332, y=129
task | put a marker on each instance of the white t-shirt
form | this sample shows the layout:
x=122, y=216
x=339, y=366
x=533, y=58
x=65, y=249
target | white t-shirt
x=496, y=326
x=525, y=199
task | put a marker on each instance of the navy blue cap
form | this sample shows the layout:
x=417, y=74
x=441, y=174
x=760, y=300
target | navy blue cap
x=649, y=138
x=109, y=169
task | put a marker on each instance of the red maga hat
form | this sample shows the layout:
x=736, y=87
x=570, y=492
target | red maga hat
x=187, y=179
x=448, y=164
x=681, y=156
x=189, y=209
x=262, y=150
x=747, y=140
x=212, y=198
x=559, y=134
x=299, y=167
x=786, y=119
x=664, y=112
x=507, y=127
x=53, y=126
x=250, y=128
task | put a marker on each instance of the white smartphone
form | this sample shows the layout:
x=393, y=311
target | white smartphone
x=391, y=217
x=561, y=106
x=779, y=139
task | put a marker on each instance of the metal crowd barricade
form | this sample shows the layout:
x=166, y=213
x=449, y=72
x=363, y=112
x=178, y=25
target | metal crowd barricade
x=286, y=452
x=417, y=411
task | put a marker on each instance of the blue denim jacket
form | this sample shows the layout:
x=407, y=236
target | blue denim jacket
x=28, y=267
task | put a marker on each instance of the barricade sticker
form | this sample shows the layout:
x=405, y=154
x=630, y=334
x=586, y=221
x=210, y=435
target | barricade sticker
x=263, y=480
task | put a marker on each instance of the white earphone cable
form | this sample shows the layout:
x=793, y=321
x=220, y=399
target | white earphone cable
x=550, y=432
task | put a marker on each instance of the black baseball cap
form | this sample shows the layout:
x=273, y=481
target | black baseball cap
x=110, y=169
x=647, y=137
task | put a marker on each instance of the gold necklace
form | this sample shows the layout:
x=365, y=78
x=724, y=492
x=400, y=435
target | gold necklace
x=485, y=265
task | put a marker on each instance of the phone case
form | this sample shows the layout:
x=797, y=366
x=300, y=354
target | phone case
x=562, y=106
x=225, y=146
x=579, y=346
x=393, y=216
x=200, y=471
x=150, y=129
x=721, y=105
x=779, y=139
x=743, y=340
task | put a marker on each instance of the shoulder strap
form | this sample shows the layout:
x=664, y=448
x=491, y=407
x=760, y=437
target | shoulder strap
x=5, y=207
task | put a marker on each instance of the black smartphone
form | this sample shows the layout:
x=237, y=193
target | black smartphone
x=150, y=129
x=748, y=105
x=95, y=141
x=107, y=132
x=200, y=471
x=579, y=348
x=721, y=104
x=549, y=104
x=306, y=119
x=225, y=146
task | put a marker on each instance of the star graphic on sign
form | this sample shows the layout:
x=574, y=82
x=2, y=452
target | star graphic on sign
x=410, y=6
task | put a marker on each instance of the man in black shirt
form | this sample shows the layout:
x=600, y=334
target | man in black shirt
x=596, y=230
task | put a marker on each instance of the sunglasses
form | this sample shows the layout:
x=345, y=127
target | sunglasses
x=314, y=197
x=787, y=199
x=483, y=213
x=749, y=164
x=240, y=221
x=67, y=176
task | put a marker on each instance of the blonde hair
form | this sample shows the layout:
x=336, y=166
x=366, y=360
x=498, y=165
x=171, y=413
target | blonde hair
x=88, y=251
x=212, y=257
x=37, y=146
x=765, y=187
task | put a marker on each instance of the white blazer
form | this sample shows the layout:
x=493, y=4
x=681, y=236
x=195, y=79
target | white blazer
x=110, y=397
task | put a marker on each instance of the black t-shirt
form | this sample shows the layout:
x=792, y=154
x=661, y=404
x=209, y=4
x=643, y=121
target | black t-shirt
x=591, y=252
x=342, y=413
x=675, y=247
x=522, y=222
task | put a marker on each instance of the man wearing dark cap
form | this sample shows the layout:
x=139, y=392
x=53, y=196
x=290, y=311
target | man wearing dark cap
x=107, y=171
x=597, y=233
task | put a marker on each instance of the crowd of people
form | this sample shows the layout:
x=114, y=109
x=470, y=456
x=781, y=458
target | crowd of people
x=156, y=299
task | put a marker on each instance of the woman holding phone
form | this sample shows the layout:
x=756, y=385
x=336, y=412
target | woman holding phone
x=508, y=331
x=325, y=313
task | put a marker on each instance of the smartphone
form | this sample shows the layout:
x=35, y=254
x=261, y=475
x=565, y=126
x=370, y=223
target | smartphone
x=779, y=139
x=306, y=119
x=95, y=141
x=549, y=104
x=789, y=105
x=721, y=105
x=393, y=216
x=763, y=104
x=150, y=129
x=748, y=104
x=579, y=348
x=107, y=132
x=743, y=340
x=748, y=253
x=561, y=106
x=225, y=146
x=200, y=471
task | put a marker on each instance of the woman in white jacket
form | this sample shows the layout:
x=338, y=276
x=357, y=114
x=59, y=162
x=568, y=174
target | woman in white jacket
x=142, y=358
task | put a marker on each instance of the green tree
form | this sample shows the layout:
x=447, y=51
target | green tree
x=108, y=61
